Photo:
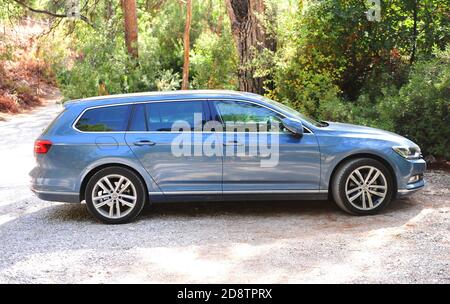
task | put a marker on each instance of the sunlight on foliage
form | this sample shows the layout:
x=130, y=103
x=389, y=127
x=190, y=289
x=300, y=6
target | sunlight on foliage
x=328, y=60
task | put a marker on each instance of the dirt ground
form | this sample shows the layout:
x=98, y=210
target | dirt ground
x=270, y=242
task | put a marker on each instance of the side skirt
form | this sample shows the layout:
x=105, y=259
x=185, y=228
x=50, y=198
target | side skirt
x=239, y=196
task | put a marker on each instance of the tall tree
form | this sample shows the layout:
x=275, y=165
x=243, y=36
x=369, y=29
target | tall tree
x=250, y=37
x=187, y=31
x=414, y=35
x=131, y=26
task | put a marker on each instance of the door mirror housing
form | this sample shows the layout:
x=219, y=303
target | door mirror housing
x=293, y=125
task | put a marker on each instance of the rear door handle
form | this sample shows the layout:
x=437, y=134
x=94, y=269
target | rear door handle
x=144, y=143
x=232, y=143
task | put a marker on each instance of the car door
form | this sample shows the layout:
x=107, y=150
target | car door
x=295, y=168
x=167, y=138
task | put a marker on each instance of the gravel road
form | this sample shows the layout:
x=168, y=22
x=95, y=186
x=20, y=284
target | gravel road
x=271, y=242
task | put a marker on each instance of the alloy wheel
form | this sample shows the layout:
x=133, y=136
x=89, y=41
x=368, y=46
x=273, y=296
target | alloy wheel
x=114, y=196
x=366, y=188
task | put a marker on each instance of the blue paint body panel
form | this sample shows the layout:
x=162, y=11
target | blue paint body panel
x=306, y=164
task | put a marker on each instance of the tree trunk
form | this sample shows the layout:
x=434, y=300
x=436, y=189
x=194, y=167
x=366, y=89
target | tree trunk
x=414, y=38
x=248, y=33
x=187, y=30
x=131, y=29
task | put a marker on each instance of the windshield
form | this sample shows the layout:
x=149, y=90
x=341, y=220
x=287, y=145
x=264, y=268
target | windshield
x=294, y=112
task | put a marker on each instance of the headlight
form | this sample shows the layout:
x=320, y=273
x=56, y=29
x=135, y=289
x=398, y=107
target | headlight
x=408, y=152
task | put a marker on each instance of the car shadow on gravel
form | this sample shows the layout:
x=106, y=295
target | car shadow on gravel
x=399, y=211
x=180, y=226
x=254, y=208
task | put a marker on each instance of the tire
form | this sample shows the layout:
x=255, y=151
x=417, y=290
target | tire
x=112, y=203
x=355, y=194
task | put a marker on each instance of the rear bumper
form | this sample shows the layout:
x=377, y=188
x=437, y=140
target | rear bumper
x=49, y=188
x=55, y=196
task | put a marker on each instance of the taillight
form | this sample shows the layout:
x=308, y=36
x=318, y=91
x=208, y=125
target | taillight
x=42, y=146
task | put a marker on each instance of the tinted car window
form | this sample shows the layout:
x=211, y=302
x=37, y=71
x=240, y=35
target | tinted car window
x=163, y=115
x=249, y=114
x=138, y=120
x=113, y=118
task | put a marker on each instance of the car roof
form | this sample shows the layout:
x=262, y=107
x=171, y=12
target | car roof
x=160, y=95
x=84, y=103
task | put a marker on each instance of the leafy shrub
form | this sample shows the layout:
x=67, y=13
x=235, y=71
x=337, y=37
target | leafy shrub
x=168, y=81
x=102, y=59
x=15, y=96
x=418, y=110
x=214, y=62
x=421, y=109
x=310, y=93
x=8, y=104
x=28, y=100
x=303, y=84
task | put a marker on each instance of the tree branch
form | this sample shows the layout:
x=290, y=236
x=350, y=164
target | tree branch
x=48, y=13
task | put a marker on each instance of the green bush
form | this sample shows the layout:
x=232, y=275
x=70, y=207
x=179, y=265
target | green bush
x=421, y=109
x=168, y=81
x=101, y=58
x=310, y=93
x=214, y=62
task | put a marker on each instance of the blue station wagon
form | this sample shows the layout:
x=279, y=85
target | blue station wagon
x=120, y=152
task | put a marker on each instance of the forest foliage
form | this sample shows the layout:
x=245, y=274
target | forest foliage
x=326, y=58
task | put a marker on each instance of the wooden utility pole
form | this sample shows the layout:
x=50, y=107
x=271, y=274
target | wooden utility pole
x=131, y=26
x=187, y=31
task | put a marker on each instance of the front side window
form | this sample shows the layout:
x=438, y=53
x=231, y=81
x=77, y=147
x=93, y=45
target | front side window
x=295, y=113
x=162, y=116
x=104, y=119
x=252, y=116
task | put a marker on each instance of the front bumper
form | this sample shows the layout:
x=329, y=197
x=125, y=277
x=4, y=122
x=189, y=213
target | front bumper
x=407, y=169
x=411, y=188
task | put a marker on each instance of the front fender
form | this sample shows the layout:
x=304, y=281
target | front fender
x=336, y=149
x=331, y=162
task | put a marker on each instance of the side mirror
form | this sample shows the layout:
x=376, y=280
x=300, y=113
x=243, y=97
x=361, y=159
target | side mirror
x=293, y=125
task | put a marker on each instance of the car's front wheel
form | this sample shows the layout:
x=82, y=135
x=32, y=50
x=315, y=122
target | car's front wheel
x=362, y=186
x=115, y=195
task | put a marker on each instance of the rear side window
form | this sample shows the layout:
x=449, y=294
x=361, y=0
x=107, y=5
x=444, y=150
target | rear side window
x=163, y=115
x=104, y=119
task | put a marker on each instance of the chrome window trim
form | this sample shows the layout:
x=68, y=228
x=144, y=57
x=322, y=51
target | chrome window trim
x=173, y=100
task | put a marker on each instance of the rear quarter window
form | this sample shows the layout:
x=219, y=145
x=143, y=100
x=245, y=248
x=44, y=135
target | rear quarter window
x=104, y=119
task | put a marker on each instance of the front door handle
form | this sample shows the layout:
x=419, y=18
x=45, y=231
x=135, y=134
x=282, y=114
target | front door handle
x=232, y=143
x=144, y=143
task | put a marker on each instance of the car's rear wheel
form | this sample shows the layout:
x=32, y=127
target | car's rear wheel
x=362, y=186
x=115, y=195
